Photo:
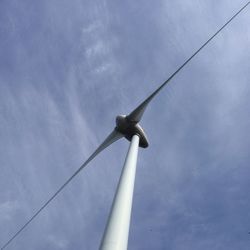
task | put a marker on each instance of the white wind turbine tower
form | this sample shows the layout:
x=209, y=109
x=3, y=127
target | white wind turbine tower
x=117, y=229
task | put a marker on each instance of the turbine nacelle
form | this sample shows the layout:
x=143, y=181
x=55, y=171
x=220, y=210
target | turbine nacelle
x=129, y=128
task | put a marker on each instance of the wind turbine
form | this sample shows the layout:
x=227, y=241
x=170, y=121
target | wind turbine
x=117, y=229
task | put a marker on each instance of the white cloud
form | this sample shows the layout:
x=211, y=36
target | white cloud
x=8, y=209
x=57, y=242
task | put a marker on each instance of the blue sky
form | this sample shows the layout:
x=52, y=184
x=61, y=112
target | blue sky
x=67, y=68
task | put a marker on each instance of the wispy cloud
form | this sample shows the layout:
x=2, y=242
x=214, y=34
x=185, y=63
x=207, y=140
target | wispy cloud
x=7, y=209
x=66, y=70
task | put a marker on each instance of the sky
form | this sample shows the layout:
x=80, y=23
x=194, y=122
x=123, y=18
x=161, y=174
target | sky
x=67, y=68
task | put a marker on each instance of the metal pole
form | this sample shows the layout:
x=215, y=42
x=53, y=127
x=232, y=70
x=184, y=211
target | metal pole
x=116, y=233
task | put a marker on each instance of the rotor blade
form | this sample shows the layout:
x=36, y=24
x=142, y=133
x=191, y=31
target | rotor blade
x=136, y=114
x=114, y=136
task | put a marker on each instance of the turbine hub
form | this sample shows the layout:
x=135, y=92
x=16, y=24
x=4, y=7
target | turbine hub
x=128, y=129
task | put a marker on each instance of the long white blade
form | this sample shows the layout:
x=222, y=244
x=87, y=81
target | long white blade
x=114, y=136
x=136, y=115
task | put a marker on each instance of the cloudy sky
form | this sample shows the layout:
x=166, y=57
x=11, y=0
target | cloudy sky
x=67, y=68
